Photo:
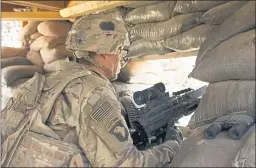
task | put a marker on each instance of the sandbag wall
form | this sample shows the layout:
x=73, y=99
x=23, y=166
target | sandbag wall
x=43, y=44
x=47, y=44
x=226, y=60
x=181, y=26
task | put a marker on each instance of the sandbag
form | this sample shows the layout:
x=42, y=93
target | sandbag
x=54, y=28
x=143, y=47
x=220, y=13
x=246, y=155
x=35, y=35
x=189, y=40
x=163, y=30
x=56, y=65
x=196, y=6
x=35, y=58
x=134, y=38
x=241, y=21
x=14, y=61
x=151, y=13
x=29, y=29
x=47, y=42
x=59, y=52
x=14, y=73
x=8, y=52
x=232, y=59
x=222, y=98
x=32, y=38
x=116, y=13
x=137, y=4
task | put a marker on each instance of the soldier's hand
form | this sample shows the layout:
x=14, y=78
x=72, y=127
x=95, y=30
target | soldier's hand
x=173, y=133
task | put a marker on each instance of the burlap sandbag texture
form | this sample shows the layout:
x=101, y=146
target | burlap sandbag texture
x=47, y=42
x=224, y=97
x=5, y=62
x=35, y=58
x=189, y=40
x=49, y=55
x=14, y=73
x=151, y=13
x=7, y=52
x=142, y=47
x=29, y=29
x=137, y=4
x=33, y=37
x=220, y=13
x=163, y=30
x=241, y=21
x=196, y=6
x=54, y=28
x=232, y=59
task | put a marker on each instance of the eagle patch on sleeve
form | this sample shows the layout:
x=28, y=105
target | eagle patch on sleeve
x=117, y=128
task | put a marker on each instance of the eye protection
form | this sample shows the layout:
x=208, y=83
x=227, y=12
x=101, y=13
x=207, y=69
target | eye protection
x=124, y=59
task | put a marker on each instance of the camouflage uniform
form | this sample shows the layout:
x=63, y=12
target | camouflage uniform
x=88, y=107
x=84, y=126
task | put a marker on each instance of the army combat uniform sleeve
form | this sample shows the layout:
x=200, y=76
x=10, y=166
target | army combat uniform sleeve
x=104, y=137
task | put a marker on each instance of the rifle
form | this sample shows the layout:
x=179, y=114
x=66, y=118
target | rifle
x=150, y=113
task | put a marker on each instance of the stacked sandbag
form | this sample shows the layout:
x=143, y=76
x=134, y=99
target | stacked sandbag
x=29, y=32
x=50, y=46
x=242, y=20
x=9, y=52
x=143, y=47
x=226, y=60
x=149, y=12
x=189, y=40
x=166, y=29
x=230, y=60
x=14, y=70
x=196, y=6
x=15, y=65
x=183, y=26
x=137, y=4
x=220, y=13
x=153, y=24
x=222, y=98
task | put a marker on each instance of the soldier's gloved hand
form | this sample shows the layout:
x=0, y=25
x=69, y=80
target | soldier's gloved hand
x=173, y=133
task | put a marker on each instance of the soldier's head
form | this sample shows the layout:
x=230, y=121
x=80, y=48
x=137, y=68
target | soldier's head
x=99, y=42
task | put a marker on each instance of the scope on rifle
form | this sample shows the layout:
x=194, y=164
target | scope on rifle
x=142, y=97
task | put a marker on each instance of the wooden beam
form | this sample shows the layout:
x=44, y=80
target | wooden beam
x=79, y=8
x=166, y=56
x=39, y=16
x=9, y=7
x=48, y=4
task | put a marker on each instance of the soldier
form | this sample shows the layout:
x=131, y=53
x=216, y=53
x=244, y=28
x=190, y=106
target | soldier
x=86, y=113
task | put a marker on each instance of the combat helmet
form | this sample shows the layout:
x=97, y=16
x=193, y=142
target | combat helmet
x=101, y=35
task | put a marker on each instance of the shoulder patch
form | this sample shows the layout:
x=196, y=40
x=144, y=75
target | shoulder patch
x=117, y=128
x=102, y=112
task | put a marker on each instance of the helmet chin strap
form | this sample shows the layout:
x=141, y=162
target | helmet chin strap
x=104, y=68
